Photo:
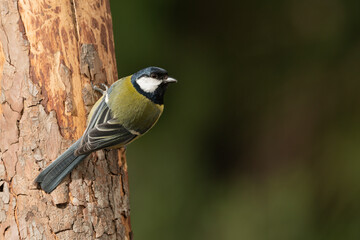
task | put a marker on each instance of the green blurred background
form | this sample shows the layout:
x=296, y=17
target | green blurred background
x=260, y=138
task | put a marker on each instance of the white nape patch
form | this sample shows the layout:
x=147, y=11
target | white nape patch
x=148, y=84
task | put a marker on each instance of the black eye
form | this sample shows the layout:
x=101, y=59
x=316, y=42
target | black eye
x=154, y=75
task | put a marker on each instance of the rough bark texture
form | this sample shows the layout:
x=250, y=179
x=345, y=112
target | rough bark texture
x=50, y=51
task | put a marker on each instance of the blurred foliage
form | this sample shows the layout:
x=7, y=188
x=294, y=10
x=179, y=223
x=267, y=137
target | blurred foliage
x=260, y=138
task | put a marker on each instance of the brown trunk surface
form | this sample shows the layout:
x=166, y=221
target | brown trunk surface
x=50, y=51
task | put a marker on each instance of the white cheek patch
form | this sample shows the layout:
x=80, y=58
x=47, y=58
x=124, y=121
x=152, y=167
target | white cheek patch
x=148, y=84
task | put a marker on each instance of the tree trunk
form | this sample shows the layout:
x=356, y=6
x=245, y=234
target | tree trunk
x=50, y=52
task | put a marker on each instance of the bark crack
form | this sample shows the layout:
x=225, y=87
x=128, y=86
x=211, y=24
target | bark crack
x=3, y=163
x=66, y=229
x=10, y=106
x=51, y=230
x=8, y=58
x=76, y=24
x=15, y=208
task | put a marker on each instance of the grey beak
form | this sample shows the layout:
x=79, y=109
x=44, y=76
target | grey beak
x=170, y=80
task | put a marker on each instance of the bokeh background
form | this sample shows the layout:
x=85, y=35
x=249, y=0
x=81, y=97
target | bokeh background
x=260, y=138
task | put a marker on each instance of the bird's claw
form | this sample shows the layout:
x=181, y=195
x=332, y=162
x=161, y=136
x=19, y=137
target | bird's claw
x=103, y=92
x=104, y=86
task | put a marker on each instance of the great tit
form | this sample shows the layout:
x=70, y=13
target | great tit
x=127, y=110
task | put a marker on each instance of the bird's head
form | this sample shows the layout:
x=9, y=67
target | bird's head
x=152, y=83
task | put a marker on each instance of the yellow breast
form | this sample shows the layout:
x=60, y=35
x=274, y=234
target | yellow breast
x=132, y=109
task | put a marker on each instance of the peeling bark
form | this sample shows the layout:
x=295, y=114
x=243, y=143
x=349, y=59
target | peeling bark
x=50, y=52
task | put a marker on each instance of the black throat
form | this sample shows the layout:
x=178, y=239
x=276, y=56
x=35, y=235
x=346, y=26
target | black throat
x=157, y=96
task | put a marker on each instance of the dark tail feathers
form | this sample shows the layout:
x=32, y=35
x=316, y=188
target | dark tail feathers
x=52, y=176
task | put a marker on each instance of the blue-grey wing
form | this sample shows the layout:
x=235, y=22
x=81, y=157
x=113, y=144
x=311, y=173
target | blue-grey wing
x=103, y=131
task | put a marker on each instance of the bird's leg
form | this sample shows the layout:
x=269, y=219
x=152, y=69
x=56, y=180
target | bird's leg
x=96, y=88
x=103, y=92
x=105, y=86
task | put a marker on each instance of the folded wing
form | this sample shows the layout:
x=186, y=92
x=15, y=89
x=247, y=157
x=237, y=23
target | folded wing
x=103, y=131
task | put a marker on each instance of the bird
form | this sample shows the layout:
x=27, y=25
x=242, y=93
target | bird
x=128, y=109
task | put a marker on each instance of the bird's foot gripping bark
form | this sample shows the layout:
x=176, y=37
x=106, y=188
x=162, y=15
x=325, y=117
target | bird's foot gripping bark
x=103, y=92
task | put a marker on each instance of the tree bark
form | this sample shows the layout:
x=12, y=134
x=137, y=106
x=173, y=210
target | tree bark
x=50, y=52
